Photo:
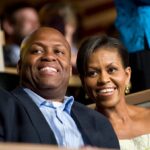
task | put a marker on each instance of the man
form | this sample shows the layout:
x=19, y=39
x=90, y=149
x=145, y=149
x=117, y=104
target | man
x=42, y=113
x=18, y=20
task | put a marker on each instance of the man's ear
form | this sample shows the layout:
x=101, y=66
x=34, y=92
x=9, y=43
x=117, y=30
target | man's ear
x=8, y=27
x=70, y=70
x=19, y=66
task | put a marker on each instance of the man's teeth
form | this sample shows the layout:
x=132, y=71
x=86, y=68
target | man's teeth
x=48, y=69
x=106, y=90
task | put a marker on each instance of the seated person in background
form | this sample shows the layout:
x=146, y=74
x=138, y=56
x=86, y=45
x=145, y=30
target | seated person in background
x=133, y=24
x=18, y=20
x=103, y=66
x=61, y=16
x=43, y=114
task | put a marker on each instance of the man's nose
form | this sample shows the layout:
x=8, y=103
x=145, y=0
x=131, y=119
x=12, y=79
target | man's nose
x=49, y=55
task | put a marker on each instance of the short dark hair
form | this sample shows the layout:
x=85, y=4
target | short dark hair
x=56, y=15
x=90, y=44
x=9, y=10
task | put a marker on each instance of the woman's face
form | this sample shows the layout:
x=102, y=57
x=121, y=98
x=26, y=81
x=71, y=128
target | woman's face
x=106, y=77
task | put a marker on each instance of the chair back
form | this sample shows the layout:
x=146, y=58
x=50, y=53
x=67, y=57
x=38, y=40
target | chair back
x=141, y=98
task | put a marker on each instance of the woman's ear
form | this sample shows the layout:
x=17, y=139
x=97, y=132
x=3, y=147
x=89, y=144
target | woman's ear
x=128, y=75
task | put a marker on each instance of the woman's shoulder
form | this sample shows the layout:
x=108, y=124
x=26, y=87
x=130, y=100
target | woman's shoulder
x=141, y=117
x=140, y=113
x=145, y=116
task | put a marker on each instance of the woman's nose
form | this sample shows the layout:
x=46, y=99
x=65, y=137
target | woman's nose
x=103, y=77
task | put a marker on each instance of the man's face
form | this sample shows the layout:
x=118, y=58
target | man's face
x=26, y=21
x=45, y=62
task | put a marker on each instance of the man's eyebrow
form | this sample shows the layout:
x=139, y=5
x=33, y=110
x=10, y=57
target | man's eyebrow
x=55, y=44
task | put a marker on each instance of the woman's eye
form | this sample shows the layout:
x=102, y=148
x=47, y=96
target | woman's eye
x=36, y=51
x=91, y=73
x=112, y=70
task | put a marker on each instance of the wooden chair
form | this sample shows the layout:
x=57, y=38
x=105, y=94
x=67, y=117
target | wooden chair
x=27, y=146
x=141, y=98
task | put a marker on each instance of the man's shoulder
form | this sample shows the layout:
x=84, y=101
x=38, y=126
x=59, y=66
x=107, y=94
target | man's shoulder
x=4, y=92
x=5, y=96
x=7, y=101
x=97, y=125
x=18, y=91
x=96, y=119
x=84, y=111
x=21, y=96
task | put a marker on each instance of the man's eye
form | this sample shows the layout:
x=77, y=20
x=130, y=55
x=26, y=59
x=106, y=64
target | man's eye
x=36, y=51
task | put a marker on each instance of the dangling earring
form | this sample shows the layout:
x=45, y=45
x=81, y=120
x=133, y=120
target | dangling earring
x=127, y=88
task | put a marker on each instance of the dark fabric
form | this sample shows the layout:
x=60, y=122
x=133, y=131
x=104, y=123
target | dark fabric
x=11, y=55
x=140, y=64
x=8, y=81
x=22, y=121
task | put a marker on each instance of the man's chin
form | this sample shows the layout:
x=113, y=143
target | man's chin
x=49, y=86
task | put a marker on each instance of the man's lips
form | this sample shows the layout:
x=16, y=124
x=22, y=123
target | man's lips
x=48, y=70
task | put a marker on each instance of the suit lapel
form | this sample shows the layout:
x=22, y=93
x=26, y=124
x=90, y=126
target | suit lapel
x=82, y=123
x=37, y=119
x=95, y=129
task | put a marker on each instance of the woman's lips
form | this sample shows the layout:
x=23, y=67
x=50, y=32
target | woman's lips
x=105, y=91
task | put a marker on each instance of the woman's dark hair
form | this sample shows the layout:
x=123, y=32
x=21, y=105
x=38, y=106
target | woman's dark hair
x=101, y=41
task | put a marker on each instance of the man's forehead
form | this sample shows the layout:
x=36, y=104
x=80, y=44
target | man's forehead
x=48, y=34
x=47, y=30
x=48, y=44
x=45, y=35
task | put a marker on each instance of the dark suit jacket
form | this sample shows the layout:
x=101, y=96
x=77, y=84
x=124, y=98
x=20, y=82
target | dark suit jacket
x=22, y=121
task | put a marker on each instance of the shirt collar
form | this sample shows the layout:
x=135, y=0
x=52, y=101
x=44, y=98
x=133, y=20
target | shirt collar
x=39, y=101
x=68, y=102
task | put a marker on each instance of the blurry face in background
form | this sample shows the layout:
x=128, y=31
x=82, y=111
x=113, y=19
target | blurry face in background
x=26, y=21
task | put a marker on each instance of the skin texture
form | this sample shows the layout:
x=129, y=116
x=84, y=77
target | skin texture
x=45, y=66
x=105, y=83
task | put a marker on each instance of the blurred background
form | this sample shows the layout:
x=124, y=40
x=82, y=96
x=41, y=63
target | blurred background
x=95, y=16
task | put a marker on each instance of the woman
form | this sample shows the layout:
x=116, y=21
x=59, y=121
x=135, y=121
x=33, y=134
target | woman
x=103, y=66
